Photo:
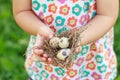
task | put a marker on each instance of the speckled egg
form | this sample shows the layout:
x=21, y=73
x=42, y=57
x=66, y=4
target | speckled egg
x=54, y=42
x=63, y=53
x=63, y=42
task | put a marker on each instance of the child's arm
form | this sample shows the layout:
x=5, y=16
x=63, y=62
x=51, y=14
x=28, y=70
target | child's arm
x=26, y=19
x=107, y=13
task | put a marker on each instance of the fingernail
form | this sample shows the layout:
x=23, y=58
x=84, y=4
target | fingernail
x=41, y=51
x=45, y=55
x=49, y=59
x=50, y=36
x=43, y=59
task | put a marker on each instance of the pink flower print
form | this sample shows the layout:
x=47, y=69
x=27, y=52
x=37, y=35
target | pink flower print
x=53, y=77
x=41, y=16
x=83, y=19
x=96, y=76
x=35, y=69
x=62, y=1
x=79, y=61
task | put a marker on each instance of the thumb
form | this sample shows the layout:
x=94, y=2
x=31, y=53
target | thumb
x=46, y=32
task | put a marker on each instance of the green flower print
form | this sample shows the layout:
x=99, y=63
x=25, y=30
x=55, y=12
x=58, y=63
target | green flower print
x=44, y=7
x=50, y=0
x=30, y=71
x=84, y=50
x=38, y=64
x=36, y=5
x=38, y=77
x=85, y=74
x=99, y=59
x=59, y=21
x=102, y=68
x=44, y=74
x=76, y=56
x=76, y=9
x=61, y=30
x=86, y=6
x=81, y=70
x=60, y=71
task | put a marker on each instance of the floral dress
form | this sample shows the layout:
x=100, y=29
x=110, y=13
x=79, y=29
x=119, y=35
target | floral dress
x=96, y=61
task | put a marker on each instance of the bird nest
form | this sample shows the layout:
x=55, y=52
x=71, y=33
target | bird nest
x=73, y=37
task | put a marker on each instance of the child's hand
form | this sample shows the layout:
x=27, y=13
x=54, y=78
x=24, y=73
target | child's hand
x=40, y=54
x=78, y=48
x=46, y=32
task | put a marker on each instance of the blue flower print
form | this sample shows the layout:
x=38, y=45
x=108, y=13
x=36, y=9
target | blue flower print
x=44, y=7
x=85, y=74
x=99, y=59
x=38, y=63
x=76, y=9
x=36, y=5
x=84, y=50
x=61, y=30
x=102, y=68
x=44, y=74
x=38, y=77
x=59, y=21
x=86, y=6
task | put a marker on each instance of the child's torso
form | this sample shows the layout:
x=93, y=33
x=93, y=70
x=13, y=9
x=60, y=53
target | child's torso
x=96, y=61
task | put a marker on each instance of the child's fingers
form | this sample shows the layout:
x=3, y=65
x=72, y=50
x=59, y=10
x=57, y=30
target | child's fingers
x=39, y=41
x=45, y=55
x=41, y=58
x=78, y=49
x=38, y=51
x=50, y=60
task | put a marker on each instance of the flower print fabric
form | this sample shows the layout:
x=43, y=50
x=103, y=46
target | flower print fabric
x=96, y=61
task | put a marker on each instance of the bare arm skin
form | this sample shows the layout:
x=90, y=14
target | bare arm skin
x=27, y=20
x=107, y=13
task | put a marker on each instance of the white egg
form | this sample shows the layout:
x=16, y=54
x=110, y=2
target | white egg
x=63, y=42
x=54, y=42
x=63, y=53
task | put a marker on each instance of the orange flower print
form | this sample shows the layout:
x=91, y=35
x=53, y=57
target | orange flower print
x=107, y=75
x=52, y=8
x=71, y=73
x=48, y=68
x=89, y=56
x=65, y=79
x=35, y=69
x=53, y=28
x=64, y=10
x=74, y=1
x=93, y=47
x=31, y=59
x=100, y=48
x=72, y=22
x=91, y=65
x=107, y=55
x=112, y=62
x=49, y=19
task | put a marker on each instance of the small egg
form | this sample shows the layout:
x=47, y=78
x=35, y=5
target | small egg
x=63, y=42
x=54, y=42
x=63, y=53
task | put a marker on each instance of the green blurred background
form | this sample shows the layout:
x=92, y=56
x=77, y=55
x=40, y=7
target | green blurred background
x=14, y=41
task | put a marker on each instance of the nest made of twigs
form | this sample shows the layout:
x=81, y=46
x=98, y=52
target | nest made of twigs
x=74, y=37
